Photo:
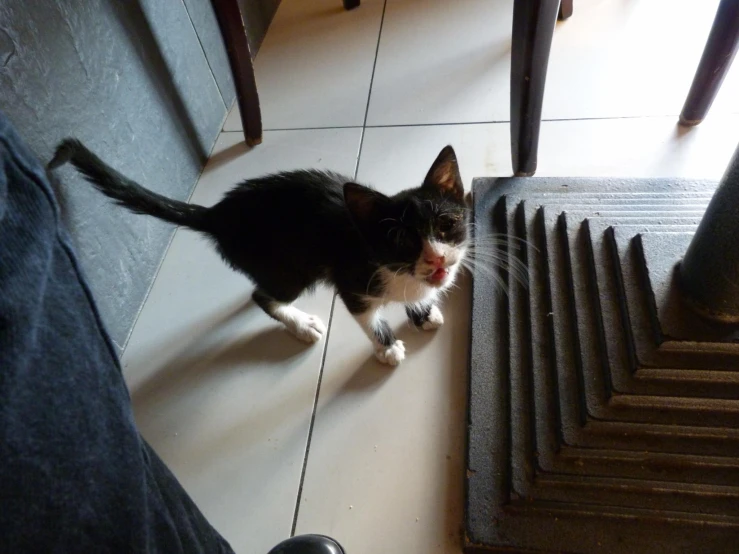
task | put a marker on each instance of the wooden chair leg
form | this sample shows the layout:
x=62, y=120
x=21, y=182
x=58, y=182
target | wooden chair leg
x=533, y=28
x=565, y=9
x=234, y=36
x=351, y=4
x=722, y=45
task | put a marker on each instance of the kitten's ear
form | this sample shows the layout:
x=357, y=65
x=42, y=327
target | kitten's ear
x=444, y=174
x=362, y=202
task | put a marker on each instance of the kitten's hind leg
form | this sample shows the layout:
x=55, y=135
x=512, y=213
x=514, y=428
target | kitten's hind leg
x=425, y=315
x=306, y=327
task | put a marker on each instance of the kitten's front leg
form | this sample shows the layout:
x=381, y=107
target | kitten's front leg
x=388, y=349
x=425, y=315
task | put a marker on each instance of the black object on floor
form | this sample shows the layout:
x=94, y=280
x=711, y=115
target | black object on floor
x=722, y=46
x=604, y=414
x=308, y=544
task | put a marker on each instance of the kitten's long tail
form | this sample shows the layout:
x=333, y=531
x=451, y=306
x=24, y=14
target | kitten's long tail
x=126, y=192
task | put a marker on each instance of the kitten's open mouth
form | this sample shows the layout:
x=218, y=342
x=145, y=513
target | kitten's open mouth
x=438, y=276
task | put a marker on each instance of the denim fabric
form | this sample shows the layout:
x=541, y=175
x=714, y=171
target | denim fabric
x=75, y=474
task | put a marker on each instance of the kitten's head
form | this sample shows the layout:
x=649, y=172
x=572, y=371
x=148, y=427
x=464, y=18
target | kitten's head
x=421, y=231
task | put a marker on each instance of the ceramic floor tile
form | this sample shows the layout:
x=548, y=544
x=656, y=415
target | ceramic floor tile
x=386, y=466
x=653, y=146
x=222, y=392
x=624, y=58
x=315, y=65
x=442, y=62
x=388, y=445
x=449, y=62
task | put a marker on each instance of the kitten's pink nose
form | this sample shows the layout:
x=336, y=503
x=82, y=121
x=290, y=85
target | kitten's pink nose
x=436, y=261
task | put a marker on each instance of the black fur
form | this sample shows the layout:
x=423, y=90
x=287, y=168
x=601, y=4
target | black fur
x=125, y=191
x=384, y=334
x=419, y=313
x=289, y=230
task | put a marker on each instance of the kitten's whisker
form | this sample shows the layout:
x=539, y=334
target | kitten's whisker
x=402, y=217
x=507, y=236
x=372, y=278
x=488, y=251
x=493, y=275
x=489, y=248
x=494, y=253
x=405, y=287
x=515, y=267
x=483, y=248
x=499, y=238
x=497, y=242
x=489, y=255
x=499, y=256
x=483, y=268
x=452, y=285
x=472, y=264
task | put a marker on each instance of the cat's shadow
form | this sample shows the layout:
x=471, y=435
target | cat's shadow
x=207, y=358
x=372, y=374
x=227, y=155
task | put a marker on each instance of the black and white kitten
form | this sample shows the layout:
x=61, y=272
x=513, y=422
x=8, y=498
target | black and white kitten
x=290, y=230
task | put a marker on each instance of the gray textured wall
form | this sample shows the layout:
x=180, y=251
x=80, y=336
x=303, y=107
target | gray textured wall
x=146, y=84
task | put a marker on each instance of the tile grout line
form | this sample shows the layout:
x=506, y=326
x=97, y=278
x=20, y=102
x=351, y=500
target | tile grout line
x=462, y=123
x=155, y=276
x=205, y=56
x=372, y=76
x=312, y=419
x=189, y=196
x=314, y=411
x=543, y=120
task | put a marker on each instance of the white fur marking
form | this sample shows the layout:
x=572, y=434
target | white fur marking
x=308, y=328
x=391, y=355
x=452, y=254
x=410, y=289
x=434, y=320
x=368, y=320
x=405, y=288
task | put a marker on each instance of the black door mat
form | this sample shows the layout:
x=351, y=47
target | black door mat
x=604, y=416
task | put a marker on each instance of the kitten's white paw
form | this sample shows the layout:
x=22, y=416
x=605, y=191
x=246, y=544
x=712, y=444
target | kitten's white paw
x=392, y=355
x=434, y=321
x=308, y=328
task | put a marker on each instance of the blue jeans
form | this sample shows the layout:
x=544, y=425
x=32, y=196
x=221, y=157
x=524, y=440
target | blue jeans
x=75, y=474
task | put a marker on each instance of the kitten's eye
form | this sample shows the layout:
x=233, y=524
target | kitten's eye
x=445, y=224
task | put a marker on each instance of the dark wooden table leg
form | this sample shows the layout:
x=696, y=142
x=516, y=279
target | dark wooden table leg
x=239, y=57
x=718, y=54
x=565, y=9
x=351, y=4
x=533, y=28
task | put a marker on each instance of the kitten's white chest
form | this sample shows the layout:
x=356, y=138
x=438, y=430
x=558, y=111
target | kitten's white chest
x=406, y=289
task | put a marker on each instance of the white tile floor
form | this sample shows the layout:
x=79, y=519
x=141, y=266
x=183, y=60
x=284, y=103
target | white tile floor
x=228, y=399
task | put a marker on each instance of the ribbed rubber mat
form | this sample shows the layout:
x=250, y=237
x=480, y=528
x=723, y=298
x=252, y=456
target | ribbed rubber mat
x=604, y=415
